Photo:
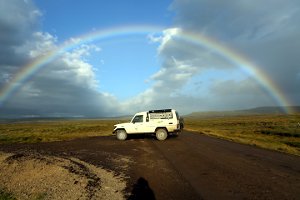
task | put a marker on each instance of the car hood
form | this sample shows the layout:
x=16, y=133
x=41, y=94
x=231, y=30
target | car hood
x=122, y=124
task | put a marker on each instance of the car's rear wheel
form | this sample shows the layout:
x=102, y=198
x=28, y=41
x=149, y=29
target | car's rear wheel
x=121, y=135
x=161, y=134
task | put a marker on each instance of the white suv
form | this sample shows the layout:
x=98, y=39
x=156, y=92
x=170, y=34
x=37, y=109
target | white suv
x=158, y=122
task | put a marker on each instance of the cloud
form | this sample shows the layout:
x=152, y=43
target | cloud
x=17, y=20
x=65, y=87
x=267, y=33
x=236, y=19
x=191, y=77
x=14, y=27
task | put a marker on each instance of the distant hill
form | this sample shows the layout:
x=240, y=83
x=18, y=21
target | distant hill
x=253, y=111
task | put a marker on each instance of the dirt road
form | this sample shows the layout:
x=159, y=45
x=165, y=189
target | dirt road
x=191, y=166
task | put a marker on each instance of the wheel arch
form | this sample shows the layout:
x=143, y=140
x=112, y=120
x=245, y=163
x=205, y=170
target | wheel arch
x=162, y=127
x=115, y=131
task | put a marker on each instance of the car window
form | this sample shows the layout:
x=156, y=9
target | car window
x=138, y=118
x=162, y=115
x=177, y=115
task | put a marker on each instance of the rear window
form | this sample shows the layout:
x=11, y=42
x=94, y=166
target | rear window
x=177, y=115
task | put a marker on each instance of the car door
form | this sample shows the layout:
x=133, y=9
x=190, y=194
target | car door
x=137, y=124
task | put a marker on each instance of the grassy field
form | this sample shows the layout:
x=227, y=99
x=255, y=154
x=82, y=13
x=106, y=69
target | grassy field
x=47, y=131
x=276, y=132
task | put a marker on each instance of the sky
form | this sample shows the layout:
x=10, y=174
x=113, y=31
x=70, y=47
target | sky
x=110, y=58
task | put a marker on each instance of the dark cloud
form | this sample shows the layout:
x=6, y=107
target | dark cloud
x=18, y=19
x=236, y=19
x=280, y=60
x=267, y=33
x=65, y=87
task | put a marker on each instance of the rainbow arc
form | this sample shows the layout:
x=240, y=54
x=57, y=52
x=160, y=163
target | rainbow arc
x=28, y=70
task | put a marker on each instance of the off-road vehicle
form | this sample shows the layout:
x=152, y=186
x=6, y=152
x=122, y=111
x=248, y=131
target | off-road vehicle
x=158, y=122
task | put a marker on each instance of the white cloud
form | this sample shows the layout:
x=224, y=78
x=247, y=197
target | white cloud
x=168, y=35
x=45, y=43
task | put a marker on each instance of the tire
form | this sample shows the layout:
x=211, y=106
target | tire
x=161, y=134
x=121, y=135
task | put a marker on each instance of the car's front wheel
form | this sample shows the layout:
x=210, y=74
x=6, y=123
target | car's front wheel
x=161, y=134
x=121, y=135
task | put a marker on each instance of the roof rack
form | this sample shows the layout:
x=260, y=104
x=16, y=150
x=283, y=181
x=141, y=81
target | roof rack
x=160, y=111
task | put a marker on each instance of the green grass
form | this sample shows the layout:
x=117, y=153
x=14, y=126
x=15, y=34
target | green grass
x=47, y=131
x=276, y=132
x=4, y=195
x=41, y=196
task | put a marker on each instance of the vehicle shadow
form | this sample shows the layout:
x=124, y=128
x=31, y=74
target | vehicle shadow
x=141, y=190
x=140, y=136
x=147, y=136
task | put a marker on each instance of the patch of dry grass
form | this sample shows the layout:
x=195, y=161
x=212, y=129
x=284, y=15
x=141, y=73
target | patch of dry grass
x=276, y=132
